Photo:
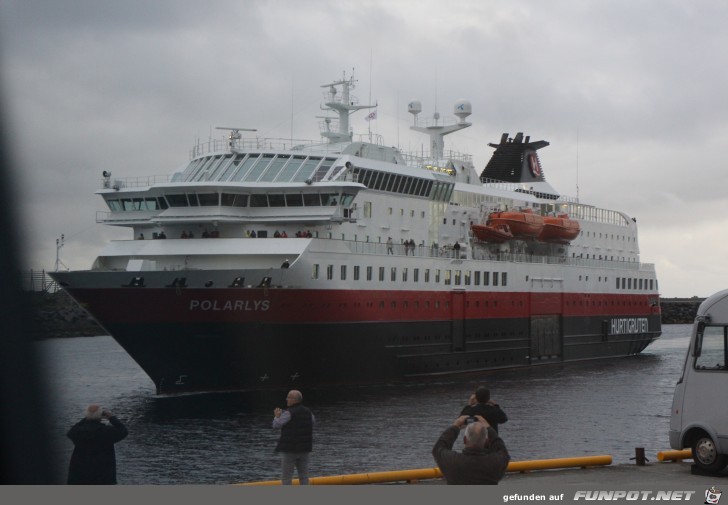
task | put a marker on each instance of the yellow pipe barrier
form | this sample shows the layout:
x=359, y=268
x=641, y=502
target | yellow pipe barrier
x=675, y=455
x=551, y=464
x=435, y=473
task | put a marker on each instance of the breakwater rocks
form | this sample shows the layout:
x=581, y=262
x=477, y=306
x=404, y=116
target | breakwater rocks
x=679, y=310
x=57, y=315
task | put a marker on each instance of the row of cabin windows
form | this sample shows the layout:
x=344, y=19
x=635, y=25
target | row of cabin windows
x=629, y=283
x=229, y=200
x=447, y=277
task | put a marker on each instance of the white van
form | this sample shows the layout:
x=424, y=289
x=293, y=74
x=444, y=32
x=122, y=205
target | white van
x=699, y=418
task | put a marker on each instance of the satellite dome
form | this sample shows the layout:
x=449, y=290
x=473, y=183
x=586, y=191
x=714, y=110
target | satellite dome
x=414, y=107
x=462, y=109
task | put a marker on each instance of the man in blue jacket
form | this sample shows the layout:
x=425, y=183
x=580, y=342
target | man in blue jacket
x=296, y=440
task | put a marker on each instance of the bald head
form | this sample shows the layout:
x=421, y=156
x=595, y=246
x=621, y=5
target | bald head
x=476, y=435
x=93, y=412
x=294, y=397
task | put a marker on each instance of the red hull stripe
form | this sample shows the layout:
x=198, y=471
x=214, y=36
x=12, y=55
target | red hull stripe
x=180, y=305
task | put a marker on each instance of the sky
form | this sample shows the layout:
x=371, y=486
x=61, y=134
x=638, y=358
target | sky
x=632, y=96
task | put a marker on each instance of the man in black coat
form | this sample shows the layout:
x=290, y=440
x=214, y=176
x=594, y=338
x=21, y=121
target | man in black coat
x=483, y=460
x=486, y=407
x=94, y=460
x=296, y=440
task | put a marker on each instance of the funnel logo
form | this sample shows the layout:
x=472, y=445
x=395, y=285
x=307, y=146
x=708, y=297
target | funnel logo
x=712, y=495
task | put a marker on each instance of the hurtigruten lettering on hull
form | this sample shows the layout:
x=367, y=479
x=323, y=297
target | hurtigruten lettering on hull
x=230, y=305
x=629, y=325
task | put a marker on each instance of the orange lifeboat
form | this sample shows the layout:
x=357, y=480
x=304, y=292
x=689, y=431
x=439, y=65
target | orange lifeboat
x=496, y=234
x=523, y=224
x=559, y=229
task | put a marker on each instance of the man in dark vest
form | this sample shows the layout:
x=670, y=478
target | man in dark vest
x=296, y=440
x=94, y=460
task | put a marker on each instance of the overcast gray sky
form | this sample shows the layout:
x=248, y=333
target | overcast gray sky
x=631, y=94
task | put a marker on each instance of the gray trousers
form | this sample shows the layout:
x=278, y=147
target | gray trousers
x=300, y=461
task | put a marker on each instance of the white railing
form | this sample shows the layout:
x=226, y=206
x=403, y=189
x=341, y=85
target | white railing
x=134, y=182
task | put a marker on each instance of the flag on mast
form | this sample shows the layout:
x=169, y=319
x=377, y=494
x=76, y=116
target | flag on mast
x=371, y=115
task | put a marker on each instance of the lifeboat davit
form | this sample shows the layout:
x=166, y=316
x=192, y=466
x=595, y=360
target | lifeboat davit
x=497, y=234
x=559, y=229
x=523, y=224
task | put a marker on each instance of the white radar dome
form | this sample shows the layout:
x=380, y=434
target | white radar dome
x=414, y=107
x=462, y=109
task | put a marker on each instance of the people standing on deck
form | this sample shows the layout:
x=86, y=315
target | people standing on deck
x=296, y=441
x=456, y=248
x=390, y=245
x=485, y=407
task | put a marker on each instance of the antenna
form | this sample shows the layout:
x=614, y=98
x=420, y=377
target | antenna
x=577, y=164
x=59, y=246
x=234, y=133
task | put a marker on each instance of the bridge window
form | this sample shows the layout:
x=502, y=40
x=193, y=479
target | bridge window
x=233, y=200
x=209, y=199
x=258, y=200
x=312, y=200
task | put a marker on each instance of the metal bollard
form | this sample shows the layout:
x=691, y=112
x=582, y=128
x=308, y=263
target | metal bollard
x=639, y=453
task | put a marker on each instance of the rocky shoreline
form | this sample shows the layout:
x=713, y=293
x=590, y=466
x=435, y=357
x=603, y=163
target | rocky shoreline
x=56, y=315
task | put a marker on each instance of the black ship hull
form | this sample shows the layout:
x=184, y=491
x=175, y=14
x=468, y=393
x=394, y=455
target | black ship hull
x=225, y=356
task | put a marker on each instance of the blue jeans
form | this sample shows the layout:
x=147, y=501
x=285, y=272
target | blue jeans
x=300, y=461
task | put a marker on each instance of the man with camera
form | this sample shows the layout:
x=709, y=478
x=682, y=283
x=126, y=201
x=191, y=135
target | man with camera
x=486, y=407
x=296, y=441
x=94, y=460
x=483, y=460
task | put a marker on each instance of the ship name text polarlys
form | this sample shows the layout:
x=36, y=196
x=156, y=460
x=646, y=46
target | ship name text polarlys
x=629, y=325
x=230, y=305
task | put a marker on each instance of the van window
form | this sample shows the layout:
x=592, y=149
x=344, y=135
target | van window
x=710, y=349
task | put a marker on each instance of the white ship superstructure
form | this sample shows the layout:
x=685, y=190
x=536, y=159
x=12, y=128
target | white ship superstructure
x=362, y=262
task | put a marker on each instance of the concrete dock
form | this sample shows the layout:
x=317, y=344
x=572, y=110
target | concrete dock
x=659, y=475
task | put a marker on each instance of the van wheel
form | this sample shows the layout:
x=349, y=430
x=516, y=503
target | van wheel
x=706, y=456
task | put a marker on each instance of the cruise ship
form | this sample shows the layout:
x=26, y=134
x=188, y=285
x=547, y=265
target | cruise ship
x=276, y=263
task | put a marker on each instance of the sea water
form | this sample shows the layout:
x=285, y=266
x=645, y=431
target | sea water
x=609, y=406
